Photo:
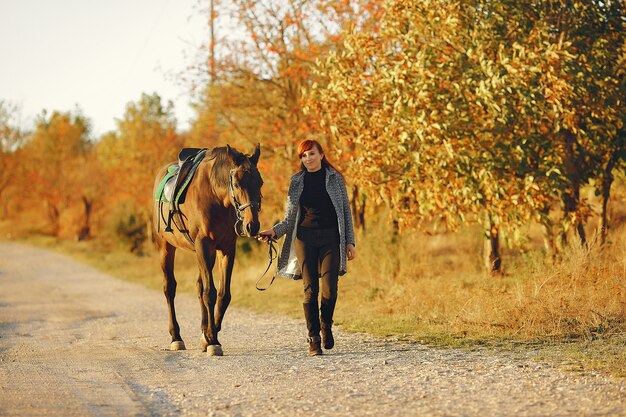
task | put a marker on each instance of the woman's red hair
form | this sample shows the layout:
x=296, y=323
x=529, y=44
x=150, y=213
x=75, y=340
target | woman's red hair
x=308, y=144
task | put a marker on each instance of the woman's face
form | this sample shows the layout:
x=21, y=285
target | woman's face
x=312, y=159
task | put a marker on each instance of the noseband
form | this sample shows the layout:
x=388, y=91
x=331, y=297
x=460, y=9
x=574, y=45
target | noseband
x=239, y=208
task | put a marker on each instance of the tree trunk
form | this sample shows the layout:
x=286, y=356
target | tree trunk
x=4, y=185
x=85, y=231
x=493, y=261
x=395, y=230
x=54, y=216
x=571, y=201
x=4, y=208
x=571, y=196
x=358, y=208
x=550, y=241
x=606, y=182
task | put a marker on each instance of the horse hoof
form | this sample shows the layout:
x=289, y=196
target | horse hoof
x=203, y=344
x=178, y=345
x=215, y=350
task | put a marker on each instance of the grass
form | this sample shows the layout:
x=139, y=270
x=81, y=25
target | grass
x=431, y=289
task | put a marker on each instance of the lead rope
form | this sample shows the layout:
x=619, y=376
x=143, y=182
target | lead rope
x=273, y=254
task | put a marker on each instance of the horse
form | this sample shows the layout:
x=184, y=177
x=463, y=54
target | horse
x=222, y=202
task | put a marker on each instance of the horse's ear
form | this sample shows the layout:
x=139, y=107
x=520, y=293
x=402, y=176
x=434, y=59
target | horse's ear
x=255, y=155
x=232, y=155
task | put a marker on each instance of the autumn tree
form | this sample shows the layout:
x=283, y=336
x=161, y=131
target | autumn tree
x=418, y=104
x=11, y=137
x=450, y=110
x=600, y=39
x=261, y=71
x=130, y=157
x=52, y=159
x=587, y=112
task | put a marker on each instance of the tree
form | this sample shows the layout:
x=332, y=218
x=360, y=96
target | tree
x=449, y=110
x=146, y=140
x=605, y=118
x=263, y=72
x=51, y=158
x=588, y=114
x=11, y=138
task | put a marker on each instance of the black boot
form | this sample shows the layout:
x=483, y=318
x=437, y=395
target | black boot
x=326, y=311
x=327, y=335
x=315, y=347
x=311, y=314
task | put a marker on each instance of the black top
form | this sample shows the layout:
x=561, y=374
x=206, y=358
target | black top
x=316, y=209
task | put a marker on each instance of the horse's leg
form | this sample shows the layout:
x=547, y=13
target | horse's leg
x=227, y=260
x=206, y=260
x=203, y=311
x=168, y=253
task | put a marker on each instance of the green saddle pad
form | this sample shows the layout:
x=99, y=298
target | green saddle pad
x=167, y=191
x=159, y=194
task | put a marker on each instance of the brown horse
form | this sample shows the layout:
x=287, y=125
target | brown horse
x=222, y=201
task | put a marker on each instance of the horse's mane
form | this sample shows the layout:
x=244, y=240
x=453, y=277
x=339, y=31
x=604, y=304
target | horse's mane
x=223, y=164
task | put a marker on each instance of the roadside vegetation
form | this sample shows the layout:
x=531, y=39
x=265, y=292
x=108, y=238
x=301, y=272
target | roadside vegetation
x=484, y=144
x=433, y=290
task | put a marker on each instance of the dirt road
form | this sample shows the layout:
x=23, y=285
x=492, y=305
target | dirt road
x=76, y=342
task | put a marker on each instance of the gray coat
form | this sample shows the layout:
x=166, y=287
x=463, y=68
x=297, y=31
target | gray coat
x=288, y=266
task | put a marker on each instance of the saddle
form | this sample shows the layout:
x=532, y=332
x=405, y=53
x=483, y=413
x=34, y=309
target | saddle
x=173, y=187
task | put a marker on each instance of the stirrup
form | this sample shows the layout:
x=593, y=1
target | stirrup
x=168, y=226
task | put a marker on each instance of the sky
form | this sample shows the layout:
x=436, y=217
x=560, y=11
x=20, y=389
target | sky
x=97, y=55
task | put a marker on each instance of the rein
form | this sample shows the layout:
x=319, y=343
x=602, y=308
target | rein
x=273, y=254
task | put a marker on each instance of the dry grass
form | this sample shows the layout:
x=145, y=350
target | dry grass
x=432, y=289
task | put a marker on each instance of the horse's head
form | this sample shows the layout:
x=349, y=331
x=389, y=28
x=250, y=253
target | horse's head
x=245, y=184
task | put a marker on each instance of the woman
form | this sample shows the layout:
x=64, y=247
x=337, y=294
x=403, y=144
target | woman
x=319, y=239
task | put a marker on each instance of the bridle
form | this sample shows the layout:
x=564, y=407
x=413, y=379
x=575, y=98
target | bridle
x=239, y=208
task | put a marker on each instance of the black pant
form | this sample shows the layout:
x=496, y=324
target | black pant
x=318, y=254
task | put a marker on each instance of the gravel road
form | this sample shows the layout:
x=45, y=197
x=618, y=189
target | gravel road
x=77, y=342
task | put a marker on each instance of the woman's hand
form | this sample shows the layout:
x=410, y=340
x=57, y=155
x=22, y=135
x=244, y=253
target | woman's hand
x=266, y=234
x=351, y=251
